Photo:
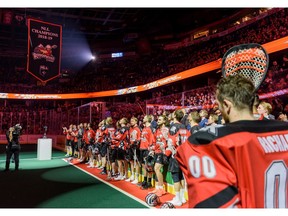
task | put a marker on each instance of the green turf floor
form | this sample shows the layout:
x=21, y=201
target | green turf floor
x=56, y=184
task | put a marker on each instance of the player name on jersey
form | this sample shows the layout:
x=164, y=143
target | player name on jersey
x=274, y=143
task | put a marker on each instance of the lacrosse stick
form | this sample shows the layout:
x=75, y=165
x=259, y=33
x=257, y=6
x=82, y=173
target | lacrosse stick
x=108, y=165
x=248, y=60
x=136, y=161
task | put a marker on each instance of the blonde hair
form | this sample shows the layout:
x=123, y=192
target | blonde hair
x=109, y=121
x=195, y=116
x=149, y=118
x=214, y=117
x=10, y=134
x=125, y=120
x=134, y=118
x=267, y=106
x=204, y=113
x=101, y=123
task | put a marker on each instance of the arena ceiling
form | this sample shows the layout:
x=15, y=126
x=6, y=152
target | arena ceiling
x=108, y=24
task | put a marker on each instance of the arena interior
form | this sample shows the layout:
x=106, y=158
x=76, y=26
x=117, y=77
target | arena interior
x=117, y=64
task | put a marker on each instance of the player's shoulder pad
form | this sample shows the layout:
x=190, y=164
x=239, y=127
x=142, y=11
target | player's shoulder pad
x=205, y=135
x=103, y=128
x=173, y=129
x=123, y=130
x=212, y=129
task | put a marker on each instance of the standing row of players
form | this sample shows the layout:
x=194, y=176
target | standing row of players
x=144, y=149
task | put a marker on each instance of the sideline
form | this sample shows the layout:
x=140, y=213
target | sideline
x=111, y=185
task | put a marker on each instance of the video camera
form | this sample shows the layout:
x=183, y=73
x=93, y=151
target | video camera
x=17, y=128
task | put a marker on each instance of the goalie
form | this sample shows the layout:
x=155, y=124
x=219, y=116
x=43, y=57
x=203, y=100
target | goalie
x=244, y=163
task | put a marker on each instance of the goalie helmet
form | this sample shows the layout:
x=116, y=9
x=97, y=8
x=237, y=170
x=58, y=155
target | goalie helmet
x=249, y=60
x=167, y=205
x=152, y=199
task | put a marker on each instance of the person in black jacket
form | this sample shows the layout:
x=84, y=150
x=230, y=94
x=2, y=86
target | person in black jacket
x=13, y=147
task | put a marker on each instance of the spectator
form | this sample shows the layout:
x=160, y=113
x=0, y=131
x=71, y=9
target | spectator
x=282, y=117
x=264, y=109
x=204, y=118
x=194, y=120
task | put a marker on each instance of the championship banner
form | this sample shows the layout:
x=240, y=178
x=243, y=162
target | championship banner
x=44, y=49
x=271, y=47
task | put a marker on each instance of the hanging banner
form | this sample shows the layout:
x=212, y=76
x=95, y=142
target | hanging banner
x=271, y=47
x=44, y=49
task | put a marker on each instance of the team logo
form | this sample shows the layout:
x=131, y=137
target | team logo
x=41, y=52
x=43, y=70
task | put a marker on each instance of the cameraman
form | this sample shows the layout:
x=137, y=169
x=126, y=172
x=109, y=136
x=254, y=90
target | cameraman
x=13, y=146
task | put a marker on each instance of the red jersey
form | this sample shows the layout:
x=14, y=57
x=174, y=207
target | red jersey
x=74, y=135
x=68, y=134
x=135, y=135
x=147, y=138
x=178, y=134
x=161, y=137
x=89, y=136
x=108, y=133
x=242, y=164
x=98, y=135
x=183, y=135
x=120, y=138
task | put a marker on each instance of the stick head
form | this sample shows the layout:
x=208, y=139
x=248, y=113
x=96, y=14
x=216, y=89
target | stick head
x=249, y=60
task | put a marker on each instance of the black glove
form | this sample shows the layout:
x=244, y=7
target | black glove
x=121, y=146
x=135, y=144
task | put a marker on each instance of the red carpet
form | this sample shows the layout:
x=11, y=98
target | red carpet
x=128, y=187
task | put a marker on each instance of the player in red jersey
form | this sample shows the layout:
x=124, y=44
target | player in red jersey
x=89, y=140
x=161, y=137
x=121, y=140
x=135, y=133
x=74, y=141
x=83, y=153
x=98, y=141
x=178, y=134
x=147, y=140
x=241, y=164
x=80, y=140
x=108, y=131
x=68, y=145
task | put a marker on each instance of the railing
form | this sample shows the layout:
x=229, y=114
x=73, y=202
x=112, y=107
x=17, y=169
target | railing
x=34, y=121
x=204, y=98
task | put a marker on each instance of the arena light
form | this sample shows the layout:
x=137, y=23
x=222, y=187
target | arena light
x=76, y=52
x=93, y=58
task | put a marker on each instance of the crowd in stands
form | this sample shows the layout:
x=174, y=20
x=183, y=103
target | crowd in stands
x=277, y=76
x=204, y=97
x=193, y=98
x=30, y=112
x=160, y=63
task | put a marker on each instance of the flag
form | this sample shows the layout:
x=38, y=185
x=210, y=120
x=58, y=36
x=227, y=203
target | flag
x=44, y=49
